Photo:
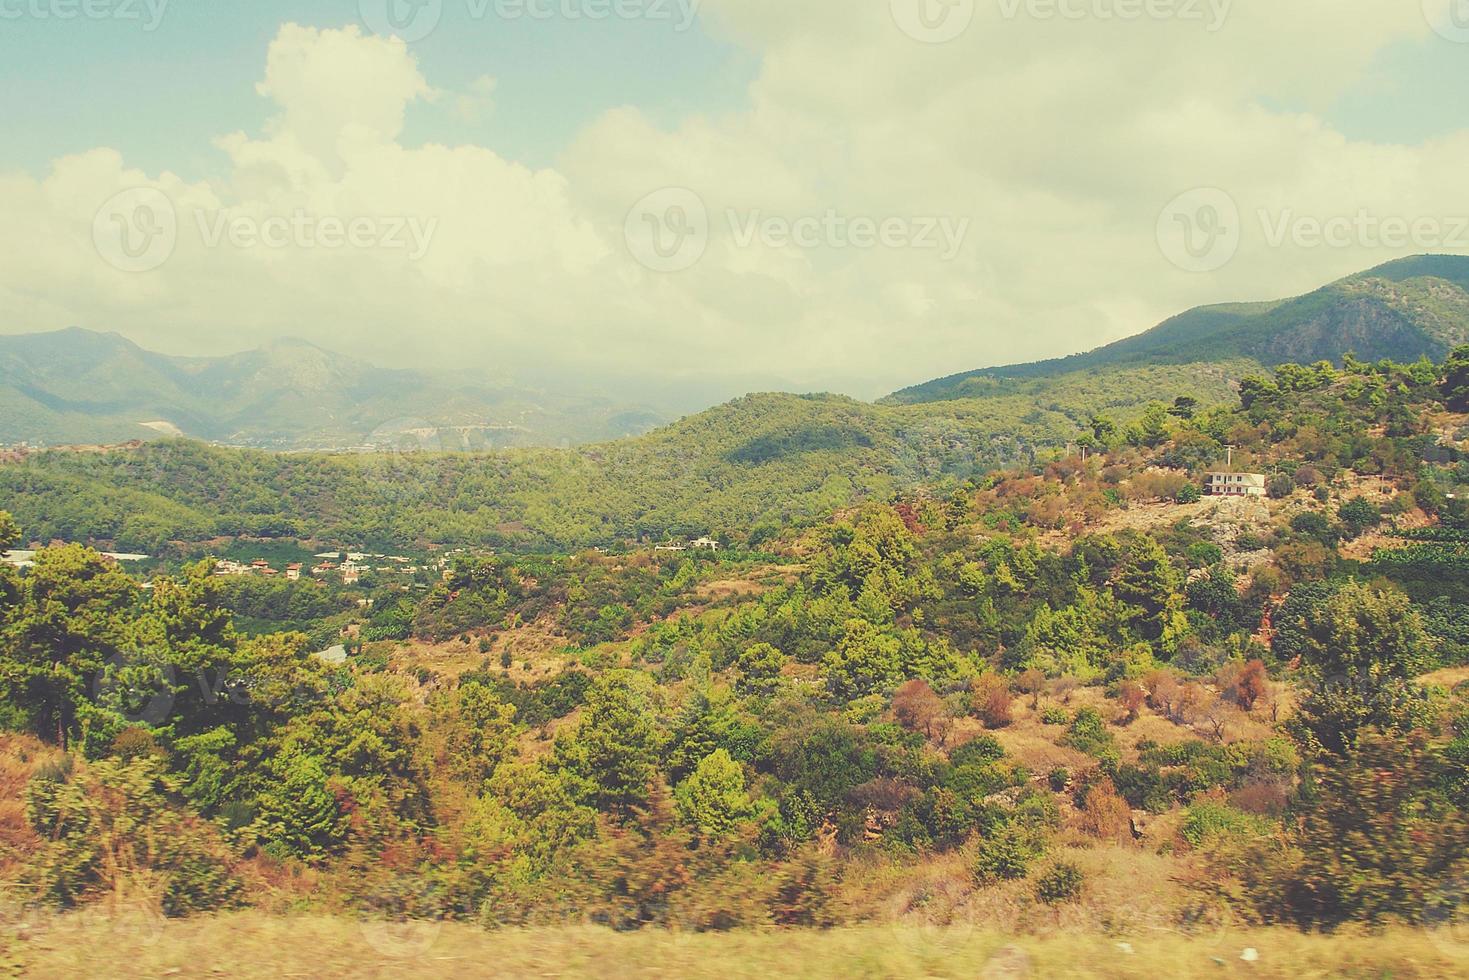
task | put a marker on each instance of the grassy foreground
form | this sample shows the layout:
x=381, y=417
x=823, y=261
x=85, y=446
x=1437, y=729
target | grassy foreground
x=249, y=945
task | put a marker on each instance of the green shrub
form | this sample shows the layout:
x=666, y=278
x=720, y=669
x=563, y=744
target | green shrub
x=1204, y=554
x=1036, y=812
x=1210, y=820
x=1059, y=778
x=1062, y=883
x=1006, y=855
x=979, y=750
x=1250, y=542
x=1359, y=514
x=1055, y=715
x=1280, y=486
x=1088, y=733
x=107, y=829
x=1313, y=525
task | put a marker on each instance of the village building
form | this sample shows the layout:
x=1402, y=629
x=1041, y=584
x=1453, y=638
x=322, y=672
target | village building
x=1235, y=484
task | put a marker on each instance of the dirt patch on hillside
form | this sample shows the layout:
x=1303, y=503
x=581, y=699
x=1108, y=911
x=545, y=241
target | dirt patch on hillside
x=537, y=651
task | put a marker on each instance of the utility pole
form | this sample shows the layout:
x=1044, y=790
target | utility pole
x=1229, y=450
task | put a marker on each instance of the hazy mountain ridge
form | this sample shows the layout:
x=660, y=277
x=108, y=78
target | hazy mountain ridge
x=79, y=386
x=1401, y=310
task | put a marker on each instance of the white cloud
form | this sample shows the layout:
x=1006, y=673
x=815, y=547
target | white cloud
x=477, y=101
x=1059, y=141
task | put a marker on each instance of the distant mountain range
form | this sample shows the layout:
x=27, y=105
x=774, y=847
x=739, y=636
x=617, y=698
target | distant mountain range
x=79, y=386
x=756, y=463
x=1400, y=310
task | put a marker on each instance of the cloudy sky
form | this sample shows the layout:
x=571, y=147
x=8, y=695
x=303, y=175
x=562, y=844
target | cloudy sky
x=850, y=195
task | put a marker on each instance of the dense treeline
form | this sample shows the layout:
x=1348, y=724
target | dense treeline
x=748, y=469
x=1001, y=676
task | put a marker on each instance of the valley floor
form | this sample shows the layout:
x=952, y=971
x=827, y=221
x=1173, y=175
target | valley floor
x=251, y=945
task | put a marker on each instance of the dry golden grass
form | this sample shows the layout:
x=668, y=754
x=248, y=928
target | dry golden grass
x=1449, y=677
x=1036, y=745
x=537, y=644
x=1128, y=889
x=734, y=588
x=253, y=945
x=20, y=755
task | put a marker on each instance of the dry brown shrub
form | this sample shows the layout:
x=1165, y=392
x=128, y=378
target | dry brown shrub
x=993, y=703
x=919, y=709
x=1105, y=815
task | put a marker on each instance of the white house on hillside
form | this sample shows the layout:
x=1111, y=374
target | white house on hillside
x=1235, y=484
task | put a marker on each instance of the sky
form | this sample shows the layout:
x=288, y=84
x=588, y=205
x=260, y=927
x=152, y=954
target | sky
x=683, y=200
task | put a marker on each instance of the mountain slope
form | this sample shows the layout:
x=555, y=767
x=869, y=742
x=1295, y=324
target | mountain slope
x=75, y=386
x=1401, y=310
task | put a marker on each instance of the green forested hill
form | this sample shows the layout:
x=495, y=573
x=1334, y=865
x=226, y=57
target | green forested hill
x=744, y=468
x=1401, y=310
x=761, y=460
